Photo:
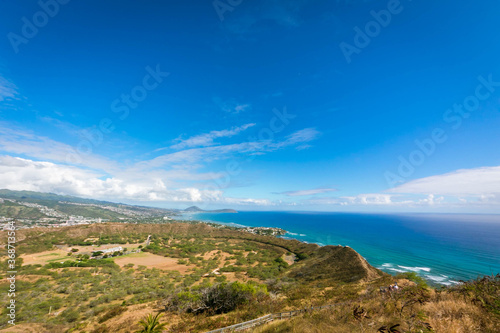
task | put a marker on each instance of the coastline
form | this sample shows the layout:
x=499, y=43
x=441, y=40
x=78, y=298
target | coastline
x=390, y=257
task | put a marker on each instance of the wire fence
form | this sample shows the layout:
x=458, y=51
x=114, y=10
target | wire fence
x=270, y=317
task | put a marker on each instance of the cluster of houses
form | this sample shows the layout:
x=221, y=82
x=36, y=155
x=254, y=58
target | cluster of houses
x=44, y=209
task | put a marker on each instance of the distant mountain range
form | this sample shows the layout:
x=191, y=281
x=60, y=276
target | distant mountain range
x=195, y=209
x=23, y=204
x=34, y=205
x=31, y=196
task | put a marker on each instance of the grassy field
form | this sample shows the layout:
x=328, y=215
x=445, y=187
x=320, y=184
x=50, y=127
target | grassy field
x=150, y=260
x=45, y=257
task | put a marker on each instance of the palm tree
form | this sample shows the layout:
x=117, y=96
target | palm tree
x=151, y=324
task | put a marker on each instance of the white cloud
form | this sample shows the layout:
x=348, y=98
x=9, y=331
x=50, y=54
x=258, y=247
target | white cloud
x=24, y=174
x=207, y=139
x=303, y=147
x=378, y=199
x=308, y=192
x=302, y=136
x=241, y=107
x=38, y=163
x=476, y=182
x=248, y=201
x=8, y=90
x=190, y=157
x=23, y=142
x=232, y=106
x=64, y=170
x=369, y=199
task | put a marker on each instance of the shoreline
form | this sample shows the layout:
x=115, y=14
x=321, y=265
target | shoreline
x=432, y=277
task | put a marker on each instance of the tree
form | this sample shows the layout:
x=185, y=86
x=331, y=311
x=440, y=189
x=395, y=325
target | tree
x=151, y=324
x=219, y=298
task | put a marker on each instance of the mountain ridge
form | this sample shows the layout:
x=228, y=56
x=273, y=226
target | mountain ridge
x=195, y=209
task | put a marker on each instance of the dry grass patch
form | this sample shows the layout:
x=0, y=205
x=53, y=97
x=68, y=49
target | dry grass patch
x=126, y=321
x=452, y=314
x=34, y=328
x=45, y=257
x=152, y=261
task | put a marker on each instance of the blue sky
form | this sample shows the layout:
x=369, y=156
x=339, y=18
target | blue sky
x=256, y=105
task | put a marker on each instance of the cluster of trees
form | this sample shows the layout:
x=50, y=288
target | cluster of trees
x=215, y=299
x=85, y=293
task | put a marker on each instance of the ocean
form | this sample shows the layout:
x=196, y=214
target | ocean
x=442, y=248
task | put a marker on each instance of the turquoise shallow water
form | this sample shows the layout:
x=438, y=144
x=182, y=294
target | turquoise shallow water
x=443, y=248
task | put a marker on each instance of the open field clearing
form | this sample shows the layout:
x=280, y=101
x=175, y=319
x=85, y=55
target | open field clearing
x=152, y=261
x=45, y=257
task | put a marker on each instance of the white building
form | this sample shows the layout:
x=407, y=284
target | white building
x=113, y=249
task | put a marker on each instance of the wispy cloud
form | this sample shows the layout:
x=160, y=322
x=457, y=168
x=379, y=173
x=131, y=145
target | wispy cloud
x=372, y=199
x=302, y=136
x=211, y=153
x=8, y=90
x=38, y=163
x=207, y=139
x=64, y=126
x=256, y=18
x=473, y=188
x=368, y=199
x=19, y=141
x=307, y=192
x=465, y=182
x=231, y=106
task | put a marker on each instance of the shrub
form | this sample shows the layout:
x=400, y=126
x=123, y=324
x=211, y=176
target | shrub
x=281, y=262
x=113, y=312
x=70, y=315
x=483, y=291
x=412, y=276
x=302, y=256
x=215, y=299
x=90, y=263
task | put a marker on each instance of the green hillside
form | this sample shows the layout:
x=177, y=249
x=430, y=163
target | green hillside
x=14, y=210
x=37, y=197
x=71, y=206
x=86, y=211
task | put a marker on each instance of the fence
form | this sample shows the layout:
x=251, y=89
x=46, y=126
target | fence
x=270, y=317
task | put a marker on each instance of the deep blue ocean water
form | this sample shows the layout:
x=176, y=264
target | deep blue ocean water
x=443, y=248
